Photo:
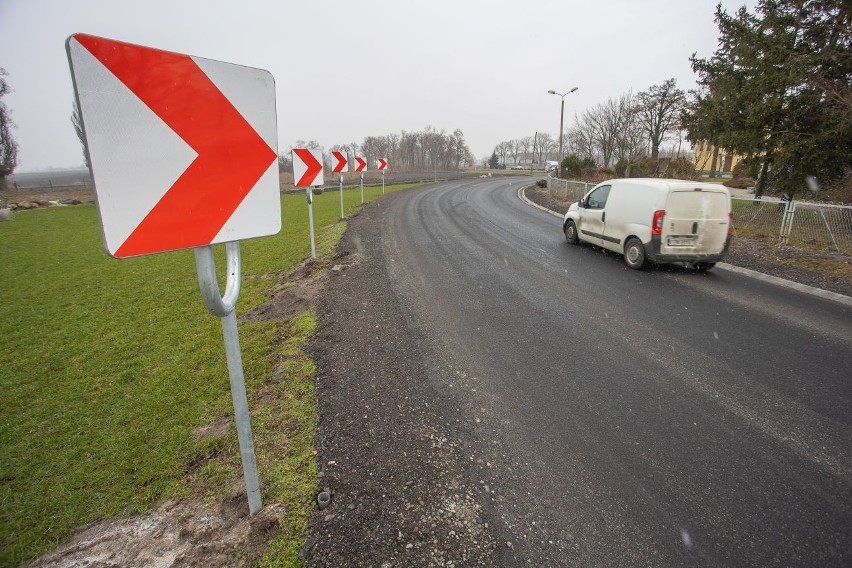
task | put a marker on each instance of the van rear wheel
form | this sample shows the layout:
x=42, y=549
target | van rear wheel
x=634, y=253
x=571, y=232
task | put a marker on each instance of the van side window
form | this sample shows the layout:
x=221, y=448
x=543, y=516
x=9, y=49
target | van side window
x=597, y=198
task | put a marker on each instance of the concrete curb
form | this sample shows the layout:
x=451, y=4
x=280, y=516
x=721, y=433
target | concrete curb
x=523, y=197
x=818, y=292
x=813, y=291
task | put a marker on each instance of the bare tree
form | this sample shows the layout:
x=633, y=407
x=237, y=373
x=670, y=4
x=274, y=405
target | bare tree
x=515, y=150
x=8, y=146
x=659, y=110
x=503, y=149
x=602, y=122
x=582, y=138
x=545, y=146
x=524, y=145
x=77, y=121
x=630, y=140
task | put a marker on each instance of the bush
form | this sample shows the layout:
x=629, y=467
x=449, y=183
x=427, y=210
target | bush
x=597, y=175
x=643, y=167
x=839, y=191
x=746, y=168
x=681, y=168
x=573, y=166
x=541, y=183
x=739, y=182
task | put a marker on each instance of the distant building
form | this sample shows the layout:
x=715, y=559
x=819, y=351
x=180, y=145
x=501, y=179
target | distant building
x=704, y=164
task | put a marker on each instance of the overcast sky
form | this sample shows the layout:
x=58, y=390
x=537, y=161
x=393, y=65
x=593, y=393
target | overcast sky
x=346, y=70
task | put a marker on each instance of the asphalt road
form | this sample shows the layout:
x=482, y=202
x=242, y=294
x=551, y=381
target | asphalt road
x=624, y=418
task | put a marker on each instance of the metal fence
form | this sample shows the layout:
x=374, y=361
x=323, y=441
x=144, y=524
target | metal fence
x=815, y=226
x=557, y=187
x=564, y=189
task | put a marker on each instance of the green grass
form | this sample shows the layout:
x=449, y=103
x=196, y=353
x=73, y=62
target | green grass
x=109, y=365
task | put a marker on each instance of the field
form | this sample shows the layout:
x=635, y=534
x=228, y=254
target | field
x=112, y=368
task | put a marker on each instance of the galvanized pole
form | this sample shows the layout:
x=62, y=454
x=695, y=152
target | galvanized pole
x=341, y=196
x=310, y=193
x=224, y=308
x=362, y=187
x=383, y=182
x=561, y=117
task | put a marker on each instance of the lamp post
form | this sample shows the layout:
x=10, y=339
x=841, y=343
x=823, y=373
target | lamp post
x=561, y=117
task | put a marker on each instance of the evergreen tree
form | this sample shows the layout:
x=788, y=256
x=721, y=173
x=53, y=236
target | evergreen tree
x=494, y=161
x=777, y=89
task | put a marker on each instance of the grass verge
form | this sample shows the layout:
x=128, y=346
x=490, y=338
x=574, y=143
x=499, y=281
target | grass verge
x=110, y=368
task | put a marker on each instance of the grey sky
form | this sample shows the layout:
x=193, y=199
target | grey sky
x=346, y=70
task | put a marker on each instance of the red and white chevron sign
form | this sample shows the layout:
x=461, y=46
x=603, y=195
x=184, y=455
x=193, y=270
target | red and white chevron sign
x=360, y=163
x=307, y=167
x=183, y=149
x=340, y=161
x=381, y=164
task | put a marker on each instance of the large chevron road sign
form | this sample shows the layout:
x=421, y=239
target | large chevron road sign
x=183, y=149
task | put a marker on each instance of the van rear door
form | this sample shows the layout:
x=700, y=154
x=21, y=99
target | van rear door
x=696, y=222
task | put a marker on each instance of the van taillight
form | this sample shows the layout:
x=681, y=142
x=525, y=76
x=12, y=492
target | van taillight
x=657, y=223
x=730, y=223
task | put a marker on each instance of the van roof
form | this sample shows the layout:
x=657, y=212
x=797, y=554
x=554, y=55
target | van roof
x=666, y=184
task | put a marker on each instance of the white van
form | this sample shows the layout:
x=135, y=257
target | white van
x=657, y=220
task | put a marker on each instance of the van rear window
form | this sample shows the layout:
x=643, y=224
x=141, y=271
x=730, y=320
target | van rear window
x=697, y=205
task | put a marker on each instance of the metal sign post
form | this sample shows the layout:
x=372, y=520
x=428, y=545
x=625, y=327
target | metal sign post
x=382, y=165
x=223, y=307
x=339, y=162
x=310, y=192
x=341, y=196
x=362, y=188
x=307, y=172
x=199, y=169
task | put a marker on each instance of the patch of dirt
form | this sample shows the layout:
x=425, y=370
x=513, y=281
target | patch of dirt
x=827, y=270
x=298, y=289
x=82, y=194
x=186, y=533
x=216, y=430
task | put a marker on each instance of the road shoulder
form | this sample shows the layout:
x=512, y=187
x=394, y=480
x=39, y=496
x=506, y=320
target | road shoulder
x=400, y=495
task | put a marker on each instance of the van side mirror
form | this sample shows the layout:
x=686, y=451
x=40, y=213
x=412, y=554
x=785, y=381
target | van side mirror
x=581, y=204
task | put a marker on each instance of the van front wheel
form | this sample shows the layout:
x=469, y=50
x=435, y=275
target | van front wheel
x=571, y=232
x=634, y=253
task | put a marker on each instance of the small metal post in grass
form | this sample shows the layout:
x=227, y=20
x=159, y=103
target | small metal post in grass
x=310, y=193
x=341, y=196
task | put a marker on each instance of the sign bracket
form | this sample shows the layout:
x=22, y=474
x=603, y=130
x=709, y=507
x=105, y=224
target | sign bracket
x=224, y=308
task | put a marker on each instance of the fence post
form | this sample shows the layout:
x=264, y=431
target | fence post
x=787, y=221
x=830, y=232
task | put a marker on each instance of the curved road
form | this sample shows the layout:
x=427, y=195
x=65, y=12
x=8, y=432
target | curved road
x=623, y=418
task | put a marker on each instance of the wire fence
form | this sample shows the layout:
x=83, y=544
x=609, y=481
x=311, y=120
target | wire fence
x=564, y=189
x=813, y=226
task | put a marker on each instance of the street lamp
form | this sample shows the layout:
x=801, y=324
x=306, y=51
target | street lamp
x=561, y=117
